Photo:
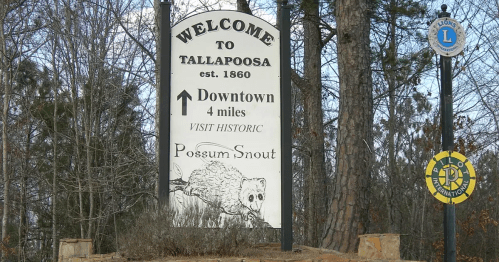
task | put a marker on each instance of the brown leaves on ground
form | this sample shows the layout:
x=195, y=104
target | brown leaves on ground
x=271, y=252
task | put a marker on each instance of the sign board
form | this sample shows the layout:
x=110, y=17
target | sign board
x=225, y=115
x=447, y=36
x=450, y=177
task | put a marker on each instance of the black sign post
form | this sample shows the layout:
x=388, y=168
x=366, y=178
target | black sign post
x=286, y=161
x=447, y=37
x=164, y=106
x=448, y=145
x=446, y=109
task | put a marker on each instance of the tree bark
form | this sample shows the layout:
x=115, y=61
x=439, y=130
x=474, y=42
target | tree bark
x=243, y=6
x=54, y=178
x=22, y=228
x=315, y=181
x=88, y=151
x=390, y=71
x=55, y=141
x=70, y=22
x=5, y=84
x=54, y=181
x=348, y=212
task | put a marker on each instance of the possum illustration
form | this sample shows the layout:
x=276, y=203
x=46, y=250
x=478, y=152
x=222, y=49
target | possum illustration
x=224, y=186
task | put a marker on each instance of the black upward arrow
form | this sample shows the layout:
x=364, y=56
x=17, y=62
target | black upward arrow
x=184, y=95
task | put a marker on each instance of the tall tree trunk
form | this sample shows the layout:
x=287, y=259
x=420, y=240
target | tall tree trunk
x=22, y=228
x=348, y=212
x=54, y=178
x=88, y=114
x=72, y=58
x=390, y=72
x=243, y=6
x=75, y=98
x=88, y=126
x=5, y=167
x=54, y=182
x=315, y=181
x=5, y=83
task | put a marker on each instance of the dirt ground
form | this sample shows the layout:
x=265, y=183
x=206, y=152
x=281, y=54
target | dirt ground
x=272, y=253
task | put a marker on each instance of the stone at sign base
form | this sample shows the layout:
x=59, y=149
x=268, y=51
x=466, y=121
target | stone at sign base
x=74, y=248
x=380, y=246
x=80, y=250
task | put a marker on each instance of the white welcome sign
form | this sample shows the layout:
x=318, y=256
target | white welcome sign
x=225, y=115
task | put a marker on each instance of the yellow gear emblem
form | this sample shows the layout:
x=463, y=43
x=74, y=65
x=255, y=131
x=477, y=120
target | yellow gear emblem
x=450, y=177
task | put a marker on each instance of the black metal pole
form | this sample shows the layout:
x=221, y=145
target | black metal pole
x=286, y=155
x=447, y=119
x=164, y=106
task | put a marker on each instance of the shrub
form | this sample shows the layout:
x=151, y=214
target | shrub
x=194, y=232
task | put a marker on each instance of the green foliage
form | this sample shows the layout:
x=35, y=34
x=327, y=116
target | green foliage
x=121, y=166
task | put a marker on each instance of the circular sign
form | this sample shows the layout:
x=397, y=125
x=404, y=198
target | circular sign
x=450, y=177
x=447, y=36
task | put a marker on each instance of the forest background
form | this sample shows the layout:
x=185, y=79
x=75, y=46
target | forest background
x=79, y=79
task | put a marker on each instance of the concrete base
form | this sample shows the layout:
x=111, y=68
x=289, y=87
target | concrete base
x=380, y=246
x=81, y=250
x=73, y=248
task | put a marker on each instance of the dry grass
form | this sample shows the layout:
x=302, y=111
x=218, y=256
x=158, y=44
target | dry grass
x=200, y=235
x=195, y=232
x=272, y=251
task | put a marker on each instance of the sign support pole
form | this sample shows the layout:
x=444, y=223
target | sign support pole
x=448, y=145
x=446, y=108
x=286, y=142
x=164, y=106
